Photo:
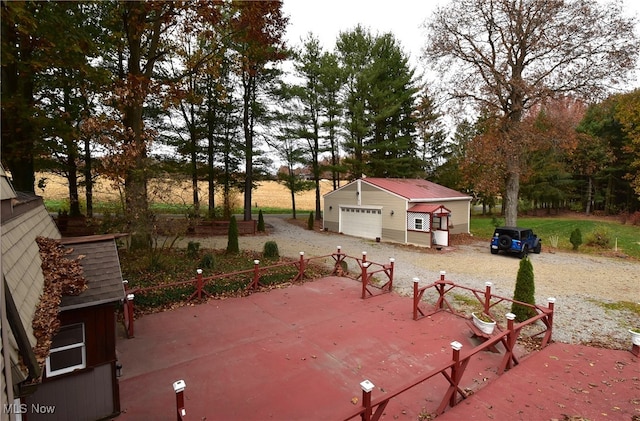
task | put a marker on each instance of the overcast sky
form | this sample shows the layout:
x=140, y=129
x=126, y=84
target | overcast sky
x=327, y=18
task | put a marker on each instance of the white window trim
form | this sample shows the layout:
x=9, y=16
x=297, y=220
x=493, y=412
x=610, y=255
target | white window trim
x=83, y=364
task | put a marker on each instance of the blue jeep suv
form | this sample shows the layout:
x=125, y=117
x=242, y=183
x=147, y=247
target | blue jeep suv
x=515, y=240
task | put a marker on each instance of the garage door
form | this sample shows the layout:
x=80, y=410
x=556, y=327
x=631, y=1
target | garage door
x=361, y=221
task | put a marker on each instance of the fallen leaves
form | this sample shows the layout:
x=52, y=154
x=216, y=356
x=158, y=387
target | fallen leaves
x=62, y=276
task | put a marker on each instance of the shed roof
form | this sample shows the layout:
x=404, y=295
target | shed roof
x=101, y=267
x=428, y=208
x=416, y=189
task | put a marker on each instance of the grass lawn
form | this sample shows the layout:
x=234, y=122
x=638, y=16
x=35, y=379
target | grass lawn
x=627, y=236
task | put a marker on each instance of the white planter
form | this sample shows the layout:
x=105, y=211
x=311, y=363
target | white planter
x=485, y=327
x=635, y=337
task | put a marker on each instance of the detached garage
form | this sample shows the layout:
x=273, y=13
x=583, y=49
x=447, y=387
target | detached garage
x=409, y=211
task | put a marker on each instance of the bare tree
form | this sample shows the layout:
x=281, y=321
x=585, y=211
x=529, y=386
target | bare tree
x=506, y=56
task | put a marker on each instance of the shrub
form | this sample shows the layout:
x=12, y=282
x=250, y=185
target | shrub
x=208, y=261
x=260, y=221
x=193, y=247
x=270, y=250
x=232, y=239
x=576, y=238
x=310, y=221
x=524, y=292
x=634, y=218
x=497, y=222
x=599, y=237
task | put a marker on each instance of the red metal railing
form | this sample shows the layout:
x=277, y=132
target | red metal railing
x=452, y=371
x=255, y=274
x=486, y=298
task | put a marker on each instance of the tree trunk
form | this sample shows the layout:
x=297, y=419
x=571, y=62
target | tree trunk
x=247, y=123
x=589, y=188
x=136, y=201
x=511, y=196
x=88, y=180
x=17, y=111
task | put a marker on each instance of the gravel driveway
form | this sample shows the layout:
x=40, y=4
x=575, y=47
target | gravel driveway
x=578, y=282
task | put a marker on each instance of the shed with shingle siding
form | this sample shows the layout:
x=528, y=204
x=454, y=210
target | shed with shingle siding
x=95, y=309
x=23, y=219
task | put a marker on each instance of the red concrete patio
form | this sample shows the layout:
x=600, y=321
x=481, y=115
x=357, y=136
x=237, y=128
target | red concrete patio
x=300, y=353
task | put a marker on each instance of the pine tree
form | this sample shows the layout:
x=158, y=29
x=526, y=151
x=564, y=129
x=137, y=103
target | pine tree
x=261, y=227
x=524, y=292
x=310, y=221
x=232, y=242
x=576, y=238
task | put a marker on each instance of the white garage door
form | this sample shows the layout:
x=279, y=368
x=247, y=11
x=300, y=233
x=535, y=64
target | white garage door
x=361, y=221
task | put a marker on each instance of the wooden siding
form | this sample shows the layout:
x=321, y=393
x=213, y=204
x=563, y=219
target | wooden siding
x=393, y=235
x=344, y=196
x=459, y=216
x=84, y=396
x=330, y=225
x=100, y=332
x=393, y=224
x=90, y=393
x=419, y=238
x=5, y=377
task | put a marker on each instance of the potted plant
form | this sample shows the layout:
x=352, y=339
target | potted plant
x=635, y=335
x=483, y=322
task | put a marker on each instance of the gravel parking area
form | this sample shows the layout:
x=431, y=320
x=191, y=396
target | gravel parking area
x=579, y=283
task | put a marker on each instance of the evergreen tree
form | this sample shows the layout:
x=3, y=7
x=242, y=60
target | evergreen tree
x=232, y=239
x=261, y=227
x=524, y=292
x=310, y=221
x=576, y=238
x=379, y=106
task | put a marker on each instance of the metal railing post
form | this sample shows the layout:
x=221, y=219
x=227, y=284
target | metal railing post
x=487, y=296
x=392, y=263
x=416, y=281
x=456, y=346
x=440, y=289
x=256, y=274
x=129, y=306
x=301, y=270
x=365, y=277
x=547, y=337
x=199, y=283
x=179, y=387
x=367, y=387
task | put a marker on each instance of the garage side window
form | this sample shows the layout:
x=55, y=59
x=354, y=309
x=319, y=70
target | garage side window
x=418, y=221
x=68, y=351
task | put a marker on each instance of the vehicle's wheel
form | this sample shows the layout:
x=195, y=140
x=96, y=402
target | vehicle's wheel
x=494, y=251
x=524, y=252
x=504, y=242
x=538, y=248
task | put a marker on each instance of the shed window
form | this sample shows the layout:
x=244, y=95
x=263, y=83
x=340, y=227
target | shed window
x=68, y=351
x=418, y=224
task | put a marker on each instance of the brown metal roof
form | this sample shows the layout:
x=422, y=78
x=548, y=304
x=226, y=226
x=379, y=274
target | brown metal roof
x=415, y=188
x=101, y=266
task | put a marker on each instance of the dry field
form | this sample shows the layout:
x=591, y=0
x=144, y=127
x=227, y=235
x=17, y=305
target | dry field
x=269, y=194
